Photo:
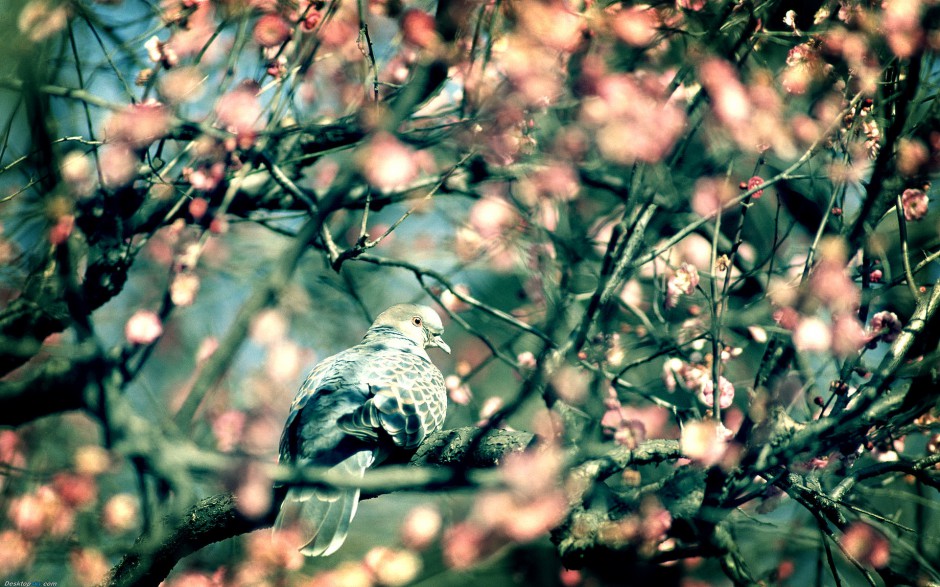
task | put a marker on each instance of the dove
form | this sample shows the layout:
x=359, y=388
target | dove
x=354, y=409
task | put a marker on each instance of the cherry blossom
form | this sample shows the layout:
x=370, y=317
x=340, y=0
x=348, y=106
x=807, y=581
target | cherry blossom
x=120, y=513
x=812, y=334
x=143, y=327
x=885, y=326
x=271, y=31
x=418, y=28
x=387, y=163
x=705, y=442
x=41, y=19
x=420, y=527
x=239, y=111
x=683, y=282
x=867, y=545
x=914, y=203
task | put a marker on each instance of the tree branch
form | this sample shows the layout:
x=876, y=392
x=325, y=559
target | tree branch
x=217, y=517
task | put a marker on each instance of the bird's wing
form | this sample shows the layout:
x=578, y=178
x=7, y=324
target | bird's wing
x=406, y=405
x=288, y=448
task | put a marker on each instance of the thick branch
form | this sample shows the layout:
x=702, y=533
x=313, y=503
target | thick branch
x=217, y=517
x=58, y=387
x=41, y=310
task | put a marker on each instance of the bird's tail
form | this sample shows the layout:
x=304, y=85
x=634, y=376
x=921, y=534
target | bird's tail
x=324, y=515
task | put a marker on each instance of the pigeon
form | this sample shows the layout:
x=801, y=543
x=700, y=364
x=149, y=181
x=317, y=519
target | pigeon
x=355, y=408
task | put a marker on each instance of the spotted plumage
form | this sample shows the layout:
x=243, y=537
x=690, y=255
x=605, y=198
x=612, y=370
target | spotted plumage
x=356, y=407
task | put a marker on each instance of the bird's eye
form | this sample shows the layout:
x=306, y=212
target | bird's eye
x=416, y=320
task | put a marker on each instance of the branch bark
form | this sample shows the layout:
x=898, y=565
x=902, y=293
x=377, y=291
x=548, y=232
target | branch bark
x=217, y=517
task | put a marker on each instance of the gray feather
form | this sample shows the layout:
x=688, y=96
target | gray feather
x=354, y=408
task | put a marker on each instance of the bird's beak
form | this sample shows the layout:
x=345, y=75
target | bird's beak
x=439, y=343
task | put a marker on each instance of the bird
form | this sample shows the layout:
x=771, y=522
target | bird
x=356, y=408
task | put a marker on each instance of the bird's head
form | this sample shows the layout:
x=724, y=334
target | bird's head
x=419, y=323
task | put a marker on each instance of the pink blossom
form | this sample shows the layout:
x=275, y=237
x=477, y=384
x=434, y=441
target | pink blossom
x=75, y=491
x=276, y=552
x=183, y=289
x=92, y=460
x=812, y=335
x=831, y=284
x=144, y=327
x=283, y=361
x=10, y=445
x=253, y=494
x=710, y=196
x=758, y=334
x=491, y=406
x=885, y=326
x=387, y=163
x=182, y=85
x=277, y=67
x=655, y=521
x=636, y=26
x=139, y=125
x=526, y=360
x=551, y=24
x=848, y=335
x=418, y=28
x=200, y=26
x=804, y=67
x=491, y=217
x=207, y=179
x=120, y=513
x=16, y=552
x=914, y=203
x=866, y=545
x=239, y=111
x=902, y=25
x=684, y=281
x=534, y=472
x=535, y=517
x=227, y=428
x=558, y=181
x=271, y=30
x=753, y=183
x=89, y=566
x=626, y=431
x=571, y=383
x=706, y=392
x=463, y=545
x=458, y=391
x=43, y=511
x=671, y=367
x=730, y=99
x=570, y=578
x=635, y=119
x=451, y=300
x=420, y=527
x=311, y=21
x=392, y=567
x=159, y=52
x=60, y=231
x=691, y=5
x=78, y=173
x=40, y=19
x=912, y=155
x=705, y=442
x=118, y=165
x=268, y=327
